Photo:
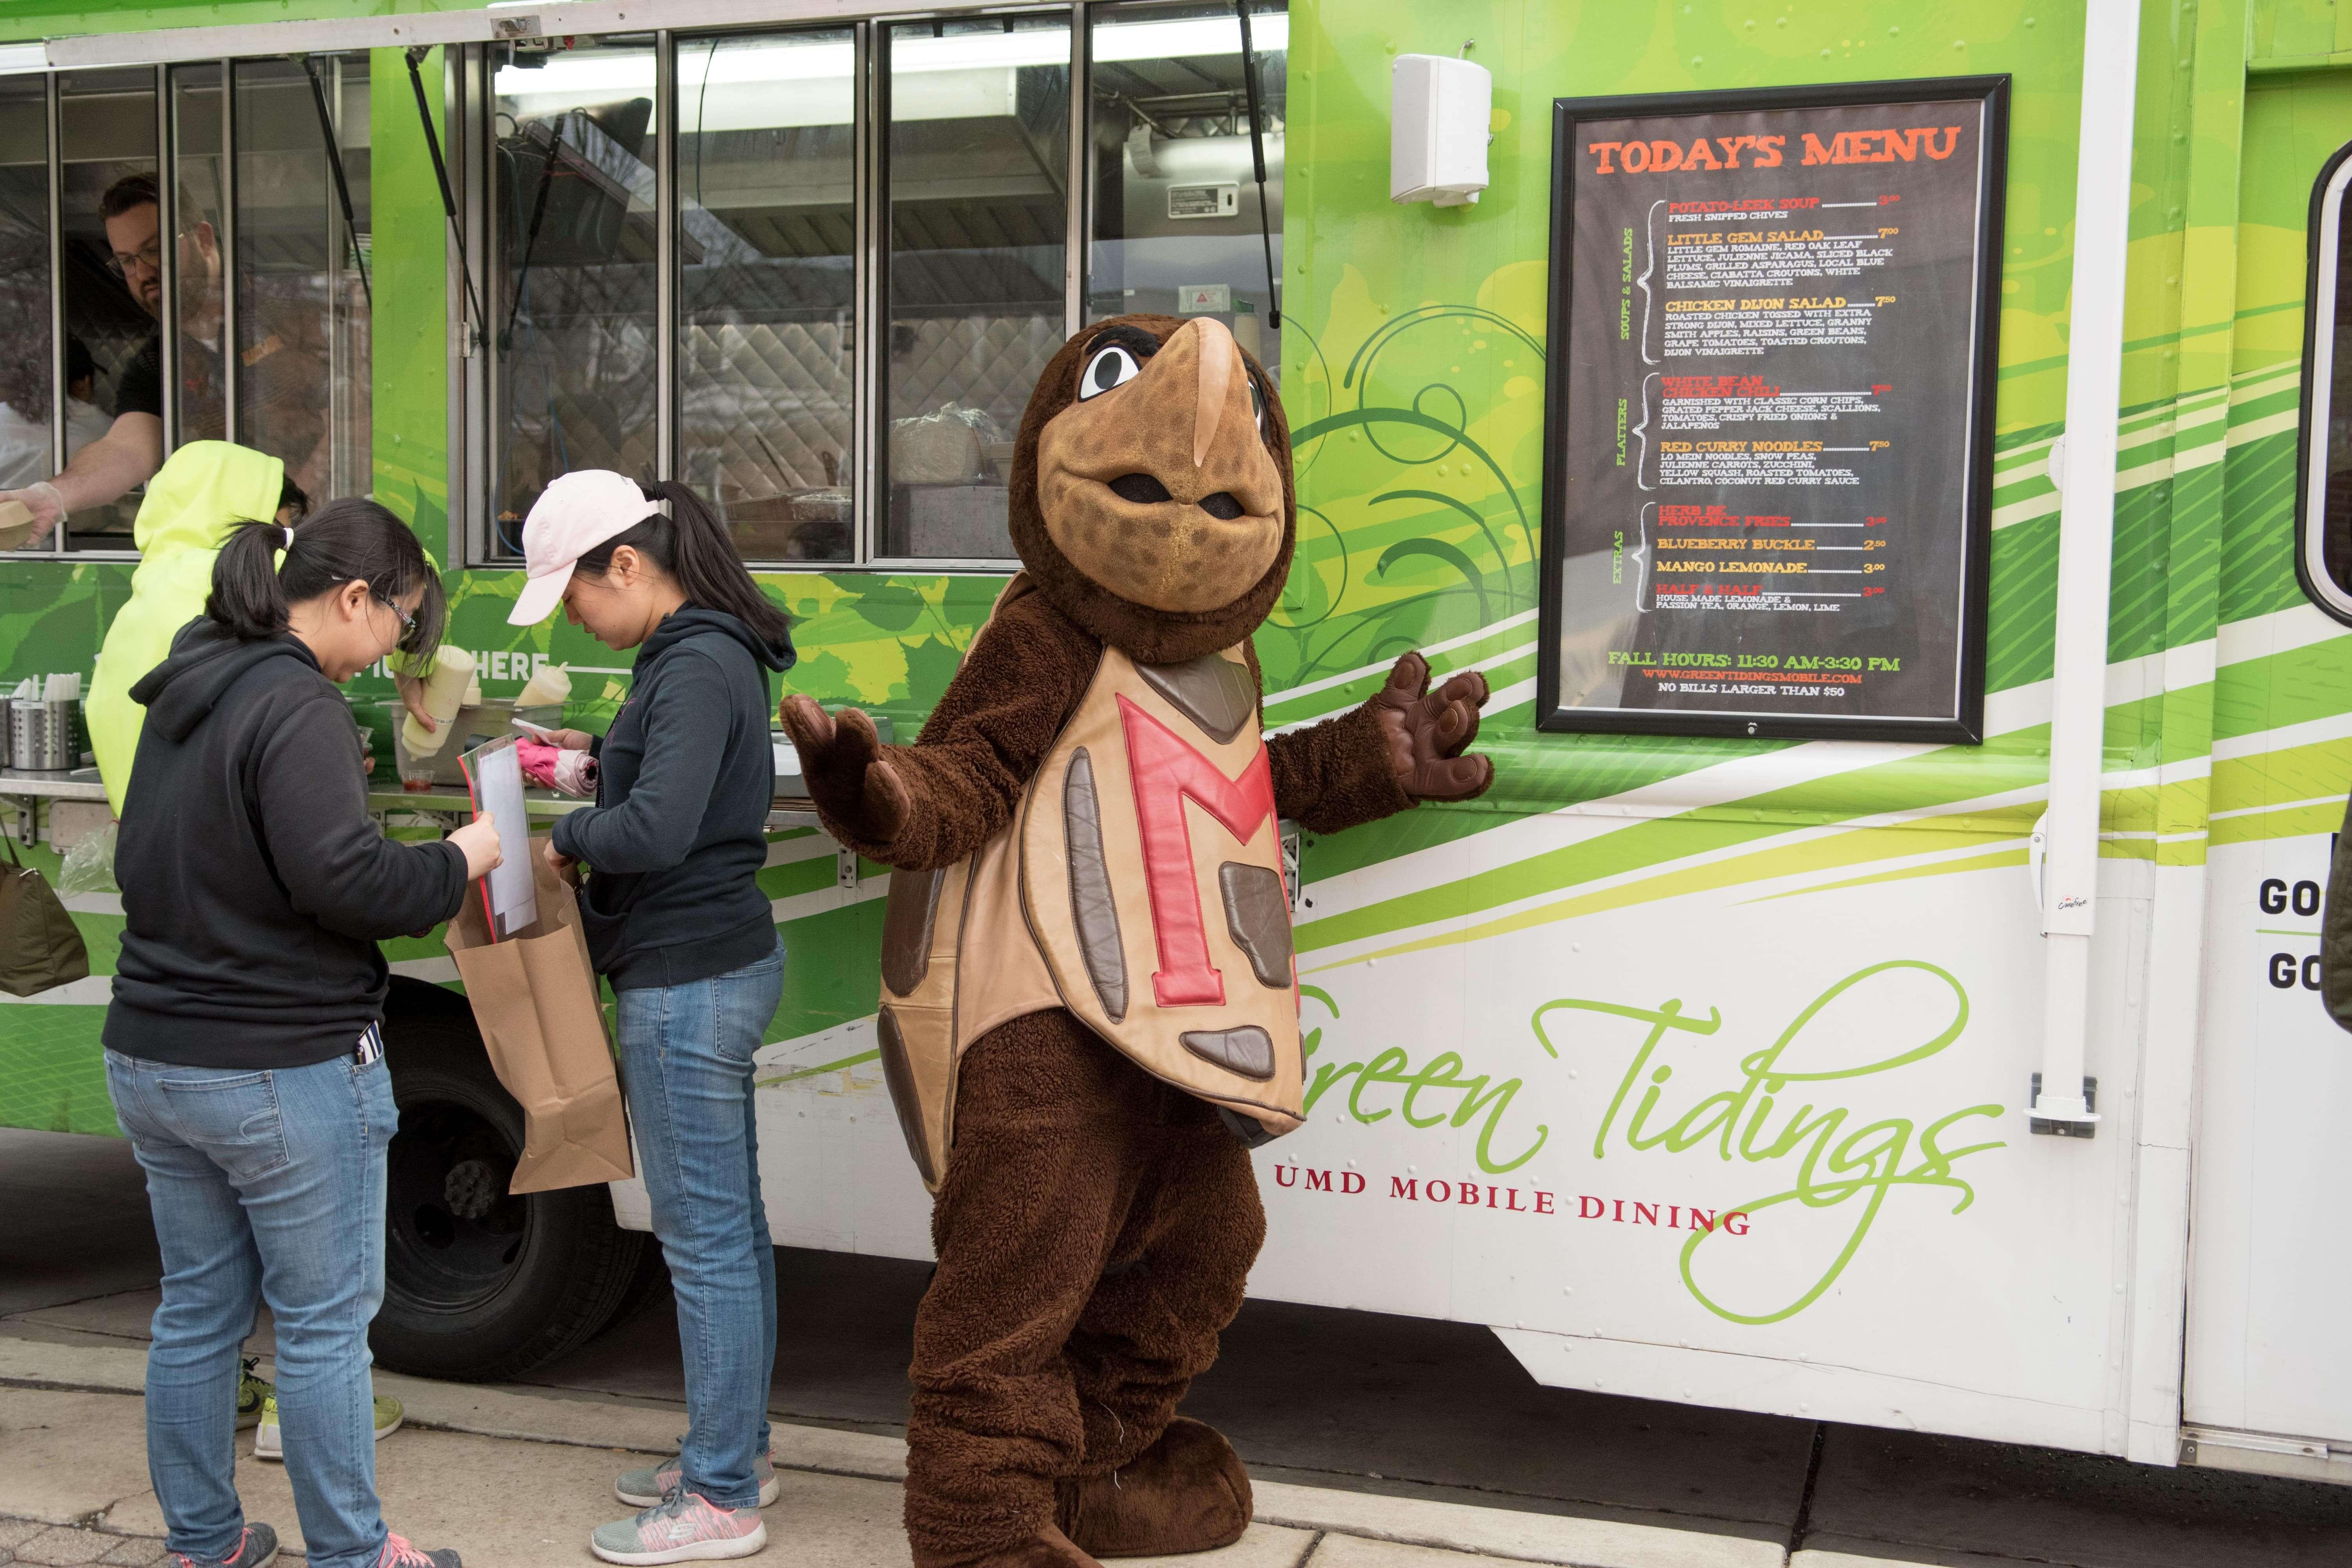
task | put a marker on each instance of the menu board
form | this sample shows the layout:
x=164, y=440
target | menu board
x=1768, y=441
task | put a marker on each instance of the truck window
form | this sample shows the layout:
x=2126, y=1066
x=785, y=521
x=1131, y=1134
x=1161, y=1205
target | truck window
x=302, y=307
x=574, y=293
x=2324, y=497
x=977, y=217
x=30, y=412
x=767, y=170
x=114, y=307
x=209, y=225
x=1176, y=226
x=199, y=283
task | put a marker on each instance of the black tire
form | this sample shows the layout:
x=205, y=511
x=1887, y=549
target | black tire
x=481, y=1286
x=648, y=1293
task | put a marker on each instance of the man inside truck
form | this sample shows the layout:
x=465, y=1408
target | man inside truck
x=131, y=451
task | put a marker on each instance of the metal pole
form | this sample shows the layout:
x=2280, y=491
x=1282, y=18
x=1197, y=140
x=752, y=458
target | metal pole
x=232, y=427
x=334, y=165
x=167, y=257
x=2085, y=548
x=1257, y=161
x=469, y=102
x=668, y=210
x=58, y=383
x=870, y=214
x=1079, y=185
x=338, y=393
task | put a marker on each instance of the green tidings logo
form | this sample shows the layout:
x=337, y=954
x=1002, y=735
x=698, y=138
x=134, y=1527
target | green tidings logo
x=1840, y=1171
x=1833, y=1171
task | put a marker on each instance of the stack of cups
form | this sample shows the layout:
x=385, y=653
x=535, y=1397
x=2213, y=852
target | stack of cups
x=445, y=693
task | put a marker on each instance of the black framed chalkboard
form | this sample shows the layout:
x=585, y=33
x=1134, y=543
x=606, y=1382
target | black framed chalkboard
x=1774, y=323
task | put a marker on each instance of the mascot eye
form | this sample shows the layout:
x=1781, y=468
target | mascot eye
x=1257, y=407
x=1111, y=366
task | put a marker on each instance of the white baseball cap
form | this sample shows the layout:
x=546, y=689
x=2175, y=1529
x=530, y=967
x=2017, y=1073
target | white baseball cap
x=573, y=515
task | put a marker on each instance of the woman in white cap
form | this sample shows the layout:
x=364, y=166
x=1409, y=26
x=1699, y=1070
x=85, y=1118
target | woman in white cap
x=676, y=920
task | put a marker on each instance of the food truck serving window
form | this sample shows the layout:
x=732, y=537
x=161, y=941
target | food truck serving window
x=183, y=258
x=814, y=272
x=2322, y=515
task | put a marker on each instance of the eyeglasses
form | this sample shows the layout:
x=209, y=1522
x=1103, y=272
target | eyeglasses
x=407, y=621
x=147, y=258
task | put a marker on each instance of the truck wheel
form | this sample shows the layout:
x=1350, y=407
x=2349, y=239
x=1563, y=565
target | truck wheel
x=481, y=1286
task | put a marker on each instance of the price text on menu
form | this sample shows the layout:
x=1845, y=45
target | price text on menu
x=1768, y=448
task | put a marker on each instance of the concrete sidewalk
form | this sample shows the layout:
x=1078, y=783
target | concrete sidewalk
x=516, y=1480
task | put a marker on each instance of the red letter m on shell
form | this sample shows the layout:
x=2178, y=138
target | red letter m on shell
x=1167, y=773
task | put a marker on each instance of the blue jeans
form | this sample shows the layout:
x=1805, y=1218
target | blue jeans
x=686, y=1061
x=265, y=1186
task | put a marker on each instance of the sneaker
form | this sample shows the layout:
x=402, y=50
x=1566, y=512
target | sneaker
x=256, y=1548
x=682, y=1527
x=398, y=1553
x=250, y=1392
x=269, y=1439
x=644, y=1489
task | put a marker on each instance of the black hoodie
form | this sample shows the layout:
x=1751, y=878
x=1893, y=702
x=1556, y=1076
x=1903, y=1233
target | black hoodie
x=678, y=833
x=254, y=884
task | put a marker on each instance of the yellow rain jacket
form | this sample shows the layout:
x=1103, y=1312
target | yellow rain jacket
x=194, y=501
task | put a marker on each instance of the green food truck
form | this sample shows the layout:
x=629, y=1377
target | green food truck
x=1883, y=457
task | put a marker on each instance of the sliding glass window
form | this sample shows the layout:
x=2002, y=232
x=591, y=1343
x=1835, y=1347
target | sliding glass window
x=112, y=283
x=303, y=293
x=574, y=301
x=28, y=371
x=976, y=226
x=816, y=272
x=199, y=286
x=1177, y=226
x=767, y=248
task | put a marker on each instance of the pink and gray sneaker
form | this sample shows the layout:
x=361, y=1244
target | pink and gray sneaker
x=256, y=1548
x=644, y=1489
x=398, y=1553
x=684, y=1527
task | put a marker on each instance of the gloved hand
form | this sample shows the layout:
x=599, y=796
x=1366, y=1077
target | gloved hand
x=847, y=776
x=48, y=507
x=1427, y=730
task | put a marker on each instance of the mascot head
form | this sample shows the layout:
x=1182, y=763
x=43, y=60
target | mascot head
x=1152, y=494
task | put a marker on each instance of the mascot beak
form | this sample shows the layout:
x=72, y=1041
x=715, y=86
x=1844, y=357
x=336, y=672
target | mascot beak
x=1220, y=360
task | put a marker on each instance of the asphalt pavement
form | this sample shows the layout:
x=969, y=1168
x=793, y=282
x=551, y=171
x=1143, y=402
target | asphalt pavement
x=1317, y=1402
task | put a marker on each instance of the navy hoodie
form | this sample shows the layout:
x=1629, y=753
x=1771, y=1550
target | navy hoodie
x=680, y=830
x=254, y=885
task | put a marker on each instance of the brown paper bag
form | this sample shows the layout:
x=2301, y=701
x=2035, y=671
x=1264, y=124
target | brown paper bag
x=534, y=996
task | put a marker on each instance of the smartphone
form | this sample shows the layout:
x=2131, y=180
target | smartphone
x=528, y=728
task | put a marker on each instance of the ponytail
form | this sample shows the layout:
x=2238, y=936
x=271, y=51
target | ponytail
x=344, y=542
x=691, y=548
x=247, y=597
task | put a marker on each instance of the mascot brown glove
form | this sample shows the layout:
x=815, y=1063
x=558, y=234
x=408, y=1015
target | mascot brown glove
x=841, y=758
x=1426, y=730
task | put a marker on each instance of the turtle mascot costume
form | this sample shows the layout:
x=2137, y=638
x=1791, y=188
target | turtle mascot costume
x=1089, y=1009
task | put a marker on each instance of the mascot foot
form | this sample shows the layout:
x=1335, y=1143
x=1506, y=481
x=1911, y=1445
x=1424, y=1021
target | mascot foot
x=1187, y=1492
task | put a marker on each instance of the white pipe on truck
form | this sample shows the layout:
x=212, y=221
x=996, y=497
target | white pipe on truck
x=2086, y=528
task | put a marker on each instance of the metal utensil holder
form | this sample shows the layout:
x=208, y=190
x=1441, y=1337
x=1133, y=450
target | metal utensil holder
x=7, y=735
x=44, y=737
